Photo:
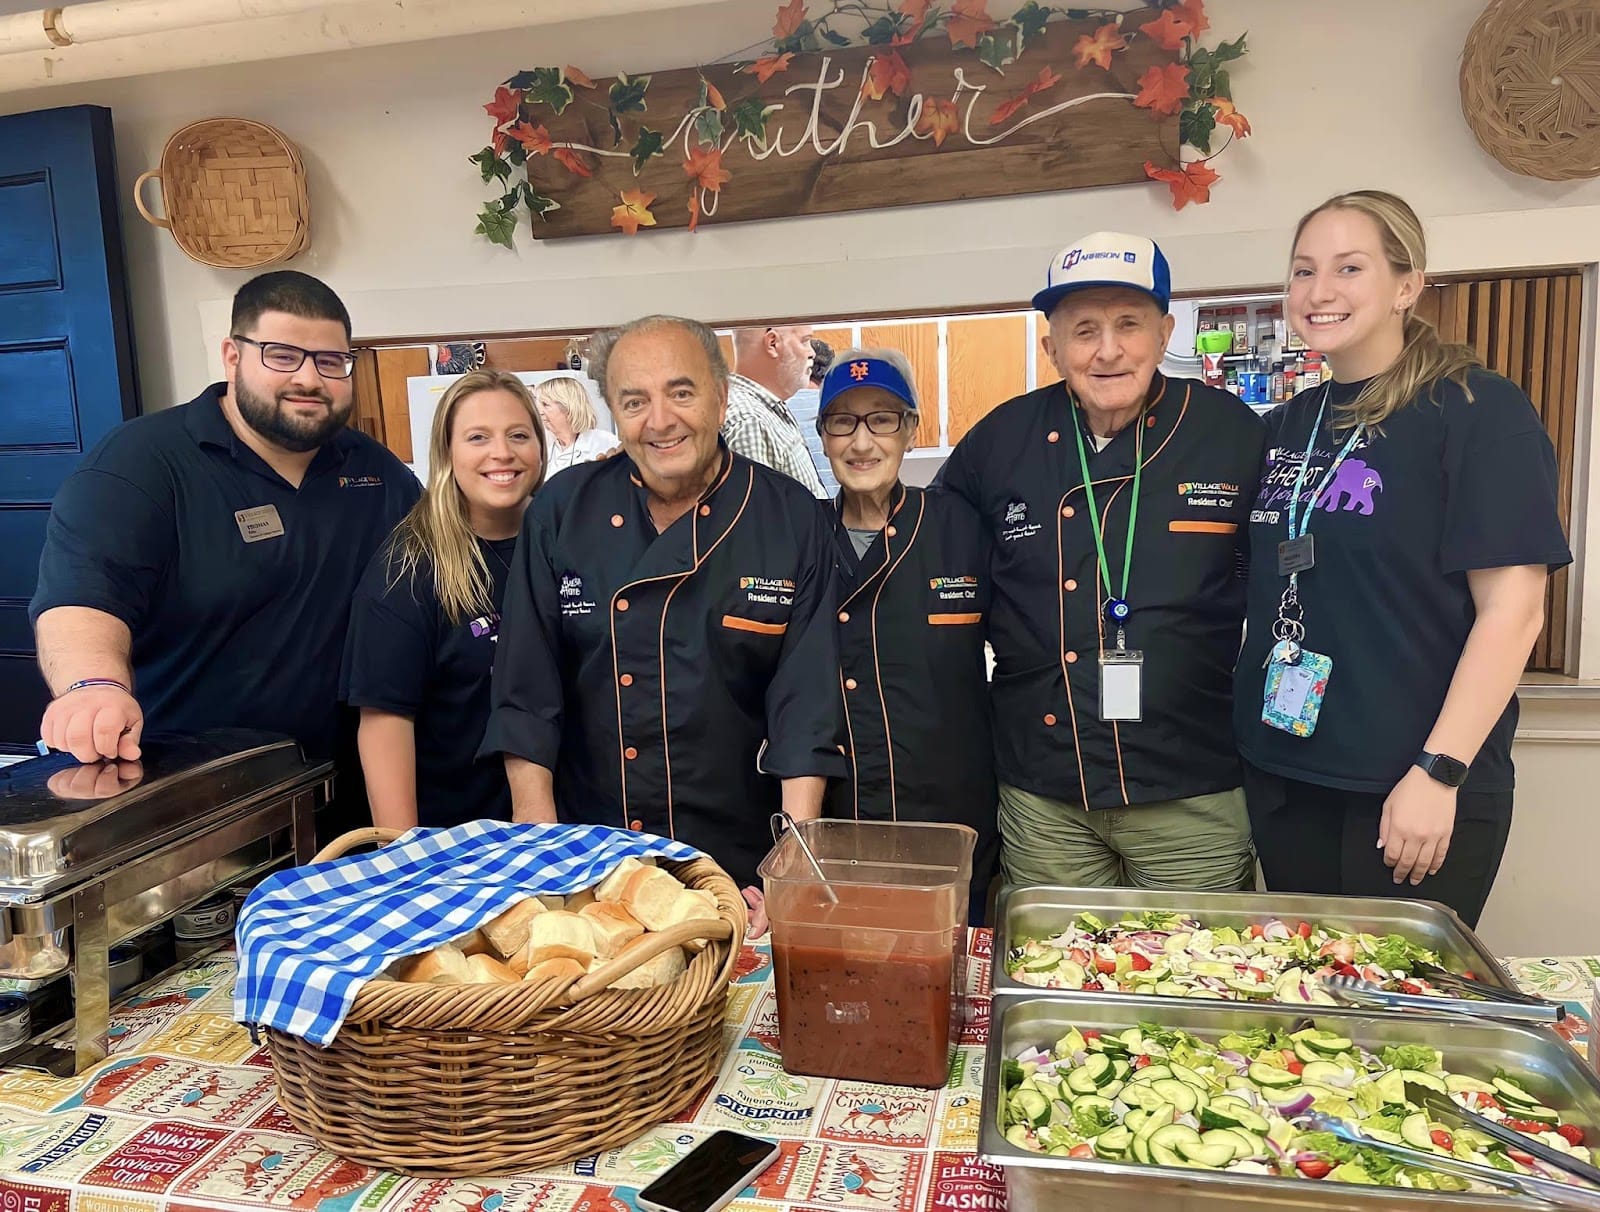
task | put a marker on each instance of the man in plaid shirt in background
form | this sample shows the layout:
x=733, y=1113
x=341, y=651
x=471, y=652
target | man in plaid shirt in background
x=771, y=364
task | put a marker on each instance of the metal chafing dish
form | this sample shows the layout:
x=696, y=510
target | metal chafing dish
x=1037, y=911
x=93, y=855
x=1475, y=1047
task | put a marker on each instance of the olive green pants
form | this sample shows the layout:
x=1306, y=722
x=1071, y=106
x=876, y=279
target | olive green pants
x=1201, y=843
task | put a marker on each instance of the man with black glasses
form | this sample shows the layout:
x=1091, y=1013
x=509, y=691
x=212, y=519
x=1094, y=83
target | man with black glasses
x=199, y=564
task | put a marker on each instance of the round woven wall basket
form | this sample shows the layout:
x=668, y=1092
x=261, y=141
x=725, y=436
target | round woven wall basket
x=233, y=192
x=1530, y=86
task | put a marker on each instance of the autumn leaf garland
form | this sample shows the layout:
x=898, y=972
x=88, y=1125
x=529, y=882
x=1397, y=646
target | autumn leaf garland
x=1196, y=88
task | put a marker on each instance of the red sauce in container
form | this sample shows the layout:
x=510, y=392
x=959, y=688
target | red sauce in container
x=869, y=988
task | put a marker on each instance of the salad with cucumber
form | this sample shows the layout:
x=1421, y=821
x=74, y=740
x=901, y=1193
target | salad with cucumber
x=1160, y=1096
x=1172, y=955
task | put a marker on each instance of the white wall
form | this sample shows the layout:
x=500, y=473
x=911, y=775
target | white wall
x=1359, y=93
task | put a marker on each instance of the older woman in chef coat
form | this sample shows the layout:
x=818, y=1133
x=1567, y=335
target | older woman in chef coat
x=913, y=602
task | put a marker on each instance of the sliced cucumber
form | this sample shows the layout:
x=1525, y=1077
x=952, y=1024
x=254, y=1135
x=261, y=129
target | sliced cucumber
x=1081, y=1081
x=1270, y=1077
x=1209, y=1157
x=1017, y=1134
x=1099, y=1069
x=1141, y=1149
x=1417, y=1132
x=1031, y=1106
x=1180, y=1094
x=1187, y=1075
x=1132, y=1039
x=1113, y=1142
x=1047, y=959
x=1255, y=1146
x=1456, y=1083
x=1304, y=1051
x=1112, y=1089
x=1425, y=1079
x=1175, y=1137
x=1221, y=1136
x=1151, y=1073
x=1159, y=1117
x=1329, y=1045
x=1121, y=1069
x=1134, y=1119
x=1141, y=1096
x=1509, y=1091
x=1541, y=1115
x=1325, y=1073
x=1071, y=973
x=1091, y=1103
x=1283, y=1097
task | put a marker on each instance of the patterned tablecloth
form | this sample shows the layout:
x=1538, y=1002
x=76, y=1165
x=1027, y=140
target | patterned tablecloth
x=183, y=1116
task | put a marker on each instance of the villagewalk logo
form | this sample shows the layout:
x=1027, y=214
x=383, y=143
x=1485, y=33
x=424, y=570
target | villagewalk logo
x=773, y=590
x=1213, y=494
x=360, y=481
x=951, y=582
x=1186, y=489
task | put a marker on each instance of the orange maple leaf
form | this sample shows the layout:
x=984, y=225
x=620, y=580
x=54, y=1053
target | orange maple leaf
x=500, y=140
x=505, y=106
x=1167, y=31
x=790, y=18
x=705, y=166
x=1047, y=79
x=714, y=96
x=634, y=212
x=1194, y=15
x=570, y=158
x=573, y=76
x=1230, y=117
x=1190, y=184
x=968, y=20
x=939, y=120
x=1163, y=89
x=534, y=139
x=1097, y=49
x=694, y=209
x=765, y=69
x=915, y=9
x=888, y=74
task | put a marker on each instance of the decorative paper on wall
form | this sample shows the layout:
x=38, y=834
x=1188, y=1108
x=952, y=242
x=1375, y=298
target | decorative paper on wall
x=868, y=104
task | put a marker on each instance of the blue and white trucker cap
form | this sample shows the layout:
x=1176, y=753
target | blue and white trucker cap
x=1107, y=258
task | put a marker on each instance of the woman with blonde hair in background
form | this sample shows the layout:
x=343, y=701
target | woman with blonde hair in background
x=569, y=419
x=1401, y=537
x=426, y=616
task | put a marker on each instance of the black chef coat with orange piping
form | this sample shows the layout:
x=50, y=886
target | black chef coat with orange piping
x=911, y=666
x=671, y=680
x=1019, y=468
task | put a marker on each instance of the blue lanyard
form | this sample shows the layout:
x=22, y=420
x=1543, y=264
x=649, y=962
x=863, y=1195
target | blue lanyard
x=1300, y=518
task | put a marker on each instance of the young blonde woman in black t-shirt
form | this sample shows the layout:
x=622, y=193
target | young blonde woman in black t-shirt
x=1401, y=537
x=426, y=616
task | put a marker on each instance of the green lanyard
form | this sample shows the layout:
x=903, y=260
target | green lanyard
x=1117, y=609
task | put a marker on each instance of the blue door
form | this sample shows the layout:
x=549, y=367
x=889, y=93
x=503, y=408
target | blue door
x=66, y=355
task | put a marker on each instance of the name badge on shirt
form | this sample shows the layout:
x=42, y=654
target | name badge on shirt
x=1121, y=685
x=1296, y=555
x=259, y=523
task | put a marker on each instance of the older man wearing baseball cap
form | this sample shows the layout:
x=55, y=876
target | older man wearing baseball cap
x=1117, y=502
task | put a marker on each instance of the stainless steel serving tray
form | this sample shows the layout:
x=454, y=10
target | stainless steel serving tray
x=60, y=824
x=1475, y=1047
x=1038, y=911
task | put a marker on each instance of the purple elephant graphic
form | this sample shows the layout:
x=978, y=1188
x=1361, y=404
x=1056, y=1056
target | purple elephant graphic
x=1352, y=487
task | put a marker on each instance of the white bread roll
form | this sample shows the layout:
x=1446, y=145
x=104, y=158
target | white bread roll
x=614, y=927
x=553, y=901
x=559, y=935
x=662, y=969
x=444, y=965
x=649, y=895
x=550, y=969
x=577, y=900
x=691, y=905
x=473, y=944
x=508, y=933
x=610, y=888
x=486, y=970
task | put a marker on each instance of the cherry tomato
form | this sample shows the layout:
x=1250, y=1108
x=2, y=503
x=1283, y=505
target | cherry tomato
x=1141, y=1062
x=1443, y=1139
x=1571, y=1133
x=1304, y=930
x=1484, y=1099
x=1410, y=987
x=1089, y=1033
x=1257, y=974
x=1341, y=949
x=1517, y=1155
x=1081, y=1151
x=1468, y=975
x=1255, y=931
x=1107, y=967
x=1079, y=956
x=1348, y=970
x=1526, y=1125
x=1140, y=963
x=1297, y=1067
x=1313, y=1167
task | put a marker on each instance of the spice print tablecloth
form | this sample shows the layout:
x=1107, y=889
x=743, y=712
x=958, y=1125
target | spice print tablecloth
x=183, y=1116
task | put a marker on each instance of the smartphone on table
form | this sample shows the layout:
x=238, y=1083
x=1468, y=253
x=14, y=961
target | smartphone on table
x=710, y=1175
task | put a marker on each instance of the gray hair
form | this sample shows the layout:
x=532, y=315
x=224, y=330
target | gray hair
x=893, y=357
x=605, y=342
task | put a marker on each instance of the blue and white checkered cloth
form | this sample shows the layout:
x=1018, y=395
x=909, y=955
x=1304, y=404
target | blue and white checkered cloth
x=310, y=937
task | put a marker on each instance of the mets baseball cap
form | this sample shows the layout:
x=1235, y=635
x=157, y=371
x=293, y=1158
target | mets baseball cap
x=1107, y=258
x=867, y=371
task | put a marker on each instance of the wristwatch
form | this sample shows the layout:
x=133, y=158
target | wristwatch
x=1442, y=768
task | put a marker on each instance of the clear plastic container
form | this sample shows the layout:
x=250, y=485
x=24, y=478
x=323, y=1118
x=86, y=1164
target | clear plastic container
x=869, y=987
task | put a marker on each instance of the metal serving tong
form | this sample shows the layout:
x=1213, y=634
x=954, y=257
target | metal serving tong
x=1502, y=1003
x=1454, y=981
x=1546, y=1189
x=1446, y=1107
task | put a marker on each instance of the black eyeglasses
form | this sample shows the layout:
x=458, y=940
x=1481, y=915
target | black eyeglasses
x=286, y=359
x=843, y=424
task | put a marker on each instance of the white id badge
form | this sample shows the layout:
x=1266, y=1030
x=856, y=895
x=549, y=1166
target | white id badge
x=1122, y=684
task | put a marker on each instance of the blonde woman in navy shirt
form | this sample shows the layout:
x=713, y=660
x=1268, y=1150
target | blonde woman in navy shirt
x=425, y=622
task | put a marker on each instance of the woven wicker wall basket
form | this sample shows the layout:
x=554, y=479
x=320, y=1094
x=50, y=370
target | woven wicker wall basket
x=1530, y=86
x=233, y=192
x=473, y=1080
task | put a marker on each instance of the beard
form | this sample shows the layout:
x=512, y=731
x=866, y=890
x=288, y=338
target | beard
x=269, y=418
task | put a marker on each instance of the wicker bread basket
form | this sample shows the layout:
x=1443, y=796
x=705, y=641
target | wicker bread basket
x=453, y=1080
x=234, y=192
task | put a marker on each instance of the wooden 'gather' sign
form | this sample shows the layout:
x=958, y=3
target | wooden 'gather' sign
x=939, y=105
